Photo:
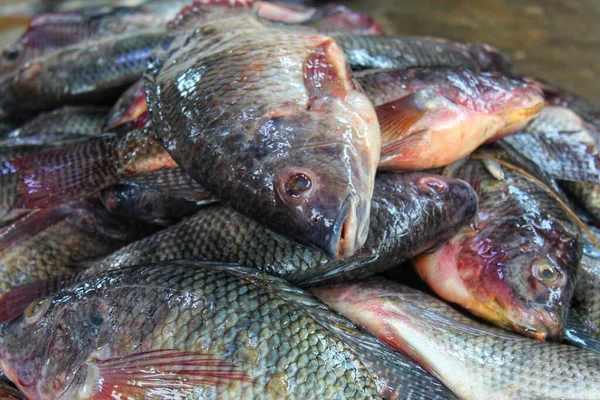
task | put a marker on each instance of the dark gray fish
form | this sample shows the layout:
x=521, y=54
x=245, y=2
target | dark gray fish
x=583, y=326
x=269, y=120
x=81, y=74
x=200, y=331
x=72, y=121
x=162, y=198
x=516, y=266
x=409, y=214
x=370, y=51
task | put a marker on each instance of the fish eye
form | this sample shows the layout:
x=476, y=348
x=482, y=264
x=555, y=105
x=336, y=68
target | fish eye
x=431, y=185
x=36, y=310
x=11, y=53
x=546, y=273
x=298, y=184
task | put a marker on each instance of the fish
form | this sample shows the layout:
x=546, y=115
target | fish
x=161, y=198
x=50, y=32
x=84, y=121
x=583, y=324
x=326, y=18
x=474, y=360
x=382, y=52
x=200, y=331
x=43, y=243
x=516, y=266
x=269, y=120
x=55, y=176
x=565, y=147
x=410, y=213
x=80, y=74
x=8, y=392
x=431, y=117
x=130, y=111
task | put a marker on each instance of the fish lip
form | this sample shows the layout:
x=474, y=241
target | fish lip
x=344, y=231
x=546, y=324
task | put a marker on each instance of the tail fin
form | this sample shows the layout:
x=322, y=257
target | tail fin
x=55, y=176
x=59, y=175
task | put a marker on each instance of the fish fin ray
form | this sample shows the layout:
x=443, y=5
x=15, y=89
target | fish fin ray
x=325, y=72
x=397, y=117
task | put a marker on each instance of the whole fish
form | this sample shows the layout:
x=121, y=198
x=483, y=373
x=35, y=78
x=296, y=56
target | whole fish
x=269, y=120
x=583, y=326
x=561, y=144
x=431, y=117
x=161, y=197
x=76, y=120
x=516, y=266
x=80, y=74
x=409, y=214
x=42, y=244
x=476, y=361
x=199, y=331
x=370, y=51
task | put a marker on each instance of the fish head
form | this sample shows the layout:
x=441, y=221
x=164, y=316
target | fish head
x=43, y=350
x=527, y=287
x=511, y=102
x=322, y=180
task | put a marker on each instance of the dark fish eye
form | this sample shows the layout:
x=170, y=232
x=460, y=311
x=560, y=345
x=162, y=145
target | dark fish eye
x=36, y=310
x=11, y=53
x=546, y=273
x=298, y=184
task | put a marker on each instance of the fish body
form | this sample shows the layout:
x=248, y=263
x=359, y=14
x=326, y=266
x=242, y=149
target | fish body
x=476, y=361
x=409, y=214
x=374, y=52
x=516, y=266
x=203, y=331
x=431, y=117
x=268, y=119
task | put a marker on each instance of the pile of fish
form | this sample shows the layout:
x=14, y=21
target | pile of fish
x=245, y=199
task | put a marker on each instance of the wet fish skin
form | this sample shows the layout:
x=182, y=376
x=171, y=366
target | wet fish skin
x=431, y=117
x=586, y=195
x=162, y=198
x=265, y=338
x=475, y=360
x=79, y=74
x=408, y=216
x=516, y=266
x=373, y=52
x=298, y=151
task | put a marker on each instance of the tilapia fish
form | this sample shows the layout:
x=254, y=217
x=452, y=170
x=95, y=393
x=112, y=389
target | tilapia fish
x=431, y=117
x=58, y=124
x=162, y=197
x=476, y=361
x=561, y=144
x=269, y=120
x=80, y=74
x=50, y=32
x=200, y=331
x=516, y=266
x=369, y=51
x=409, y=214
x=583, y=327
x=42, y=244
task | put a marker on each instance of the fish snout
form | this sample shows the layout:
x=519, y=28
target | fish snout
x=348, y=231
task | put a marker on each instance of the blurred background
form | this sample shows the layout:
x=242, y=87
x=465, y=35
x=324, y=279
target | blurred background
x=557, y=40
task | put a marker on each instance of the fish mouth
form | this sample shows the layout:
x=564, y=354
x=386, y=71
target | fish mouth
x=343, y=241
x=517, y=117
x=541, y=324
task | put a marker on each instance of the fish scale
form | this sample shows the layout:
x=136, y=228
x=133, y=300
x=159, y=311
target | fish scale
x=279, y=339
